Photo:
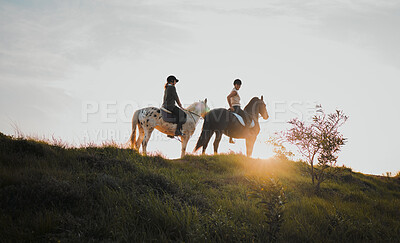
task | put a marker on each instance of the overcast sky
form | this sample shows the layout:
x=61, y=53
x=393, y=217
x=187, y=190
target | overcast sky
x=61, y=59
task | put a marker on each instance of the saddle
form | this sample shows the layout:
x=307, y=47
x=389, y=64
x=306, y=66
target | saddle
x=168, y=116
x=241, y=120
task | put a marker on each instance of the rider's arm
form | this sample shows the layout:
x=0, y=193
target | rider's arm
x=177, y=98
x=178, y=102
x=233, y=93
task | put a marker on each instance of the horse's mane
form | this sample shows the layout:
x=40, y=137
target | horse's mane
x=250, y=105
x=191, y=107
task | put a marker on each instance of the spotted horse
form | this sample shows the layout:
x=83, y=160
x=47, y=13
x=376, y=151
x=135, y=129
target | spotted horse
x=150, y=118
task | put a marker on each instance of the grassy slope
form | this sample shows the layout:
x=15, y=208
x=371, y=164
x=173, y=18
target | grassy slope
x=102, y=194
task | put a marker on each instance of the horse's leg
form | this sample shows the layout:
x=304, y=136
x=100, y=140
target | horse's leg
x=218, y=136
x=206, y=140
x=147, y=134
x=140, y=138
x=249, y=145
x=185, y=140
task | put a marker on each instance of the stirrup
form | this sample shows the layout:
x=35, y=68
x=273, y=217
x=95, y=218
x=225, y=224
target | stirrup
x=179, y=133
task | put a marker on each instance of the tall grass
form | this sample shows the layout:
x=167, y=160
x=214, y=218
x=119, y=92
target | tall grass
x=108, y=193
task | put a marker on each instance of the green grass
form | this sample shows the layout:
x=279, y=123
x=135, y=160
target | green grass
x=53, y=193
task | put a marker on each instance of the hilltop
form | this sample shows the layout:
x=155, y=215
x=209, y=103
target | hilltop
x=54, y=193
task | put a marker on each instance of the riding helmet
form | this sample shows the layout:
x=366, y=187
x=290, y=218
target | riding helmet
x=171, y=79
x=237, y=81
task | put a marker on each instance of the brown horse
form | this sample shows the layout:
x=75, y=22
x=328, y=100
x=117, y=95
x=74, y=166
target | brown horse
x=222, y=121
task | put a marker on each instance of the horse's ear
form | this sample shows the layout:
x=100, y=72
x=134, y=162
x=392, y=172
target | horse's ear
x=262, y=97
x=205, y=101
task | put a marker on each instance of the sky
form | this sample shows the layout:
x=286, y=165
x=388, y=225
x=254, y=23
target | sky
x=77, y=70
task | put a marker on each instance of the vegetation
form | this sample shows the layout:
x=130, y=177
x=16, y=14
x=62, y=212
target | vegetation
x=52, y=193
x=271, y=196
x=319, y=141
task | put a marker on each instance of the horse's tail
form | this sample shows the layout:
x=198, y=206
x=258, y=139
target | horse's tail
x=200, y=142
x=135, y=120
x=205, y=135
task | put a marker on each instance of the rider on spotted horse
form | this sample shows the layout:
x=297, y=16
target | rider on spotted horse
x=170, y=97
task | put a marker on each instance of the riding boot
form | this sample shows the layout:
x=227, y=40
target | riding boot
x=178, y=131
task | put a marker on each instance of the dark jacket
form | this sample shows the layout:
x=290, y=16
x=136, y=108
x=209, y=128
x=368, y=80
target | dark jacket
x=170, y=97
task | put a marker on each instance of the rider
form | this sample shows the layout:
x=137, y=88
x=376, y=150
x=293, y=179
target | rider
x=170, y=97
x=234, y=103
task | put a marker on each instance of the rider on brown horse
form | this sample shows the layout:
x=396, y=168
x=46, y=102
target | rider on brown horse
x=234, y=104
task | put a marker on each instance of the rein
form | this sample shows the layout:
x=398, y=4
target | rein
x=192, y=115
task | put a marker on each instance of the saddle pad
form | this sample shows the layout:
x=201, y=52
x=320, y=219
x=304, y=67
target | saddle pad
x=168, y=116
x=242, y=121
x=163, y=109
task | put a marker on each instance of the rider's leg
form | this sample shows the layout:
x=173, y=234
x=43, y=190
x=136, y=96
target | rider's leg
x=180, y=117
x=236, y=109
x=243, y=114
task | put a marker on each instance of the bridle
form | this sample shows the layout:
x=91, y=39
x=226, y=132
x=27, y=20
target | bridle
x=192, y=113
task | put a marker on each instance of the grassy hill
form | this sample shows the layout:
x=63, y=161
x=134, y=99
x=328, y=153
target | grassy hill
x=51, y=193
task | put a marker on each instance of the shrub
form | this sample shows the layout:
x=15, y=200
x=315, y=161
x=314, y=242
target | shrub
x=270, y=198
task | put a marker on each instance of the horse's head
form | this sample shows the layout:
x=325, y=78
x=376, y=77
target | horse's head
x=204, y=107
x=201, y=108
x=262, y=108
x=257, y=106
